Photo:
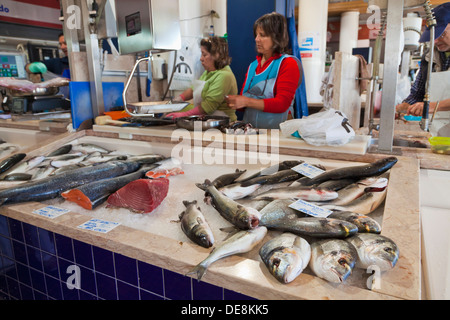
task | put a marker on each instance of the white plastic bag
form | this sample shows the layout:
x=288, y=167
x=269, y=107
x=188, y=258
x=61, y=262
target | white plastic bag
x=328, y=127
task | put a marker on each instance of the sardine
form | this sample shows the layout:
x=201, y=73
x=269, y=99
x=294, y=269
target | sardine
x=362, y=171
x=11, y=161
x=286, y=256
x=241, y=242
x=26, y=166
x=194, y=225
x=239, y=215
x=374, y=250
x=42, y=172
x=312, y=226
x=332, y=259
x=364, y=223
x=52, y=186
x=68, y=161
x=302, y=193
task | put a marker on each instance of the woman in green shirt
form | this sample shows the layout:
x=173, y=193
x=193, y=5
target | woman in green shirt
x=215, y=83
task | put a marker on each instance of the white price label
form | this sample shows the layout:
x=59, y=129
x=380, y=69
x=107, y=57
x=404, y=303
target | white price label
x=308, y=170
x=99, y=225
x=310, y=209
x=50, y=212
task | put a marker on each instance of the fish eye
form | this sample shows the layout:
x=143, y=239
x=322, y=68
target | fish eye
x=276, y=262
x=388, y=250
x=342, y=261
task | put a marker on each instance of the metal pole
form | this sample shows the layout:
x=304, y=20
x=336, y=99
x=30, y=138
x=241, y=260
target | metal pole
x=391, y=66
x=93, y=59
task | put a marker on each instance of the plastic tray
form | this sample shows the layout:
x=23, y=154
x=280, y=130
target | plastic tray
x=440, y=145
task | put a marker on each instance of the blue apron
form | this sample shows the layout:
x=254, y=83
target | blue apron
x=261, y=86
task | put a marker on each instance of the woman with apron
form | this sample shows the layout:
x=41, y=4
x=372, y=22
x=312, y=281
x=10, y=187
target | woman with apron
x=272, y=79
x=214, y=84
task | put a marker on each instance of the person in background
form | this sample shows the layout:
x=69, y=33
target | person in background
x=57, y=66
x=413, y=104
x=214, y=84
x=272, y=79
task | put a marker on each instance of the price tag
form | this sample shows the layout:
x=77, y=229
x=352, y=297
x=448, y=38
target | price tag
x=99, y=225
x=308, y=170
x=310, y=209
x=50, y=212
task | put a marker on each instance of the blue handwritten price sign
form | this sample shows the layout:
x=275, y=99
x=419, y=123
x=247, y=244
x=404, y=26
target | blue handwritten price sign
x=99, y=225
x=50, y=212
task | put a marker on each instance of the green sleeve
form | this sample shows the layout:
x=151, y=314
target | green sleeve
x=213, y=94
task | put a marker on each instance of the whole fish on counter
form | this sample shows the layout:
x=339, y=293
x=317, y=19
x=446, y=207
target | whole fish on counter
x=364, y=223
x=278, y=177
x=227, y=178
x=286, y=256
x=239, y=215
x=93, y=194
x=236, y=191
x=297, y=192
x=52, y=186
x=140, y=196
x=357, y=189
x=362, y=171
x=364, y=205
x=279, y=210
x=23, y=166
x=332, y=259
x=61, y=150
x=241, y=242
x=287, y=164
x=374, y=250
x=88, y=148
x=194, y=225
x=11, y=161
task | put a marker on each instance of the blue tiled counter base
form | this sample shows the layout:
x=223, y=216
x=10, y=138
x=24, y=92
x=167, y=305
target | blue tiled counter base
x=36, y=264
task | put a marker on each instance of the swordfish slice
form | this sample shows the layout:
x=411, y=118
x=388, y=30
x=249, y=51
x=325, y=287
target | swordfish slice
x=142, y=195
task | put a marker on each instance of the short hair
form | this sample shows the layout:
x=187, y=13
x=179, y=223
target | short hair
x=274, y=25
x=217, y=45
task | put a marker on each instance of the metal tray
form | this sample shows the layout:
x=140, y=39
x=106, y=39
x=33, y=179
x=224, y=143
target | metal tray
x=203, y=122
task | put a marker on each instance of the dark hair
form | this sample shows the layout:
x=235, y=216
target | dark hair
x=274, y=25
x=217, y=45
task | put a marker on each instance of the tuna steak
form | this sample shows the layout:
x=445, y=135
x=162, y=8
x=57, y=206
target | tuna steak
x=142, y=195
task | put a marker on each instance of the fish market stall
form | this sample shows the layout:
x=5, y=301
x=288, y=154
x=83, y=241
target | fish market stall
x=155, y=241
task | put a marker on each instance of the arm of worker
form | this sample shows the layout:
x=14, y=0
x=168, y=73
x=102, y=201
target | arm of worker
x=416, y=109
x=416, y=95
x=187, y=94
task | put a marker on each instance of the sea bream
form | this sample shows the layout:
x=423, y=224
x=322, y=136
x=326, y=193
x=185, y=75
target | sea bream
x=375, y=250
x=332, y=259
x=286, y=256
x=239, y=215
x=194, y=225
x=240, y=242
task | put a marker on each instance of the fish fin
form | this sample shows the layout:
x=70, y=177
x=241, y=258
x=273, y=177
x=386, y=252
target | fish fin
x=201, y=186
x=187, y=203
x=230, y=230
x=199, y=270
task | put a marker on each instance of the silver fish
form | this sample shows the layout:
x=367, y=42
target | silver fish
x=286, y=256
x=28, y=165
x=88, y=148
x=42, y=172
x=239, y=215
x=365, y=204
x=228, y=178
x=241, y=242
x=67, y=162
x=278, y=210
x=355, y=190
x=374, y=250
x=236, y=191
x=364, y=223
x=194, y=225
x=332, y=259
x=303, y=193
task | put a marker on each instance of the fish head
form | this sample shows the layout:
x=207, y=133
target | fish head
x=285, y=265
x=338, y=266
x=248, y=217
x=384, y=254
x=205, y=239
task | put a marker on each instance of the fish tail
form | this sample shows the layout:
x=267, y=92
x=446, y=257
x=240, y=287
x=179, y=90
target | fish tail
x=199, y=269
x=3, y=200
x=204, y=185
x=187, y=203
